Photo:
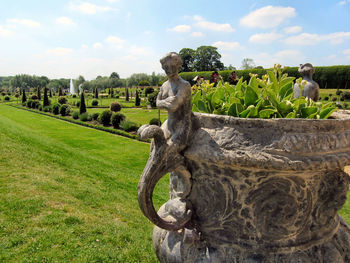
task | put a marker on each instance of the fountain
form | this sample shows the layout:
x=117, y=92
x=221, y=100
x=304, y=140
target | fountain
x=71, y=87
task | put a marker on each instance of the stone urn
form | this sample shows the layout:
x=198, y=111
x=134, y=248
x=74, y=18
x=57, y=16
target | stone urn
x=251, y=190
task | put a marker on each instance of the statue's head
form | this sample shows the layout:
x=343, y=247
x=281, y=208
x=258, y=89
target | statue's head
x=306, y=69
x=171, y=63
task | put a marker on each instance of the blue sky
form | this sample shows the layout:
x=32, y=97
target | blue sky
x=60, y=38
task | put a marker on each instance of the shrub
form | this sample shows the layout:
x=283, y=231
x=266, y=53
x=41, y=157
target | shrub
x=126, y=94
x=82, y=106
x=46, y=101
x=24, y=97
x=74, y=96
x=64, y=109
x=148, y=90
x=47, y=109
x=40, y=108
x=56, y=108
x=29, y=103
x=7, y=98
x=62, y=100
x=152, y=99
x=34, y=97
x=338, y=92
x=115, y=106
x=334, y=99
x=144, y=83
x=326, y=98
x=346, y=95
x=95, y=115
x=94, y=102
x=155, y=121
x=137, y=99
x=34, y=104
x=85, y=117
x=77, y=104
x=116, y=119
x=105, y=117
x=75, y=115
x=129, y=126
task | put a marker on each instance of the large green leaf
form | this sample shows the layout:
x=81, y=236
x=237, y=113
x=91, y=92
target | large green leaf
x=202, y=107
x=250, y=96
x=286, y=90
x=324, y=114
x=273, y=80
x=218, y=97
x=307, y=111
x=253, y=83
x=235, y=109
x=239, y=84
x=245, y=113
x=266, y=113
x=196, y=97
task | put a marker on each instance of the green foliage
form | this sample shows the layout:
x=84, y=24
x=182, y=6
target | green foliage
x=116, y=119
x=115, y=107
x=38, y=93
x=24, y=97
x=155, y=121
x=269, y=97
x=144, y=83
x=152, y=99
x=96, y=93
x=94, y=102
x=64, y=110
x=85, y=117
x=47, y=109
x=94, y=116
x=7, y=98
x=62, y=100
x=75, y=115
x=187, y=55
x=126, y=94
x=34, y=97
x=137, y=99
x=149, y=90
x=129, y=126
x=46, y=101
x=82, y=106
x=105, y=117
x=56, y=108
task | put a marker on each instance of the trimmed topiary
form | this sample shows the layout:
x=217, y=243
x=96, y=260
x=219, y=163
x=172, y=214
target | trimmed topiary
x=105, y=117
x=137, y=99
x=115, y=106
x=152, y=99
x=75, y=115
x=64, y=110
x=82, y=106
x=116, y=119
x=155, y=121
x=7, y=98
x=62, y=100
x=34, y=97
x=85, y=117
x=95, y=115
x=94, y=102
x=47, y=109
x=56, y=108
x=129, y=126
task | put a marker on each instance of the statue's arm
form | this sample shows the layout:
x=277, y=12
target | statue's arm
x=171, y=103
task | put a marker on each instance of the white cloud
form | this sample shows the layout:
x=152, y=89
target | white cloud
x=207, y=25
x=268, y=16
x=63, y=20
x=288, y=57
x=264, y=38
x=60, y=51
x=197, y=34
x=292, y=29
x=5, y=32
x=344, y=2
x=24, y=22
x=227, y=45
x=346, y=51
x=313, y=39
x=88, y=8
x=181, y=28
x=97, y=45
x=84, y=46
x=115, y=41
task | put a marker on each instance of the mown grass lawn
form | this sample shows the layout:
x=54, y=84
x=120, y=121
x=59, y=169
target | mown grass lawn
x=69, y=193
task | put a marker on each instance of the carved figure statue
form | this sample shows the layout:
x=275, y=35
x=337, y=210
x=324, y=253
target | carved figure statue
x=311, y=88
x=245, y=190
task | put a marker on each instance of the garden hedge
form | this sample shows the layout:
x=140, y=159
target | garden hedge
x=332, y=77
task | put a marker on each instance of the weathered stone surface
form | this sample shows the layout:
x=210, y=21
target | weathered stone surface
x=250, y=190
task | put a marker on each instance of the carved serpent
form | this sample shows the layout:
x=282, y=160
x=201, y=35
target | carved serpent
x=163, y=159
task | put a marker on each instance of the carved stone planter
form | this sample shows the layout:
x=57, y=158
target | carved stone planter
x=253, y=190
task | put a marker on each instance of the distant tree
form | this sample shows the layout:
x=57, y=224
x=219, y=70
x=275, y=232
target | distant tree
x=46, y=101
x=24, y=98
x=230, y=67
x=248, y=63
x=187, y=55
x=144, y=83
x=114, y=75
x=39, y=93
x=259, y=67
x=126, y=94
x=207, y=58
x=82, y=107
x=137, y=99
